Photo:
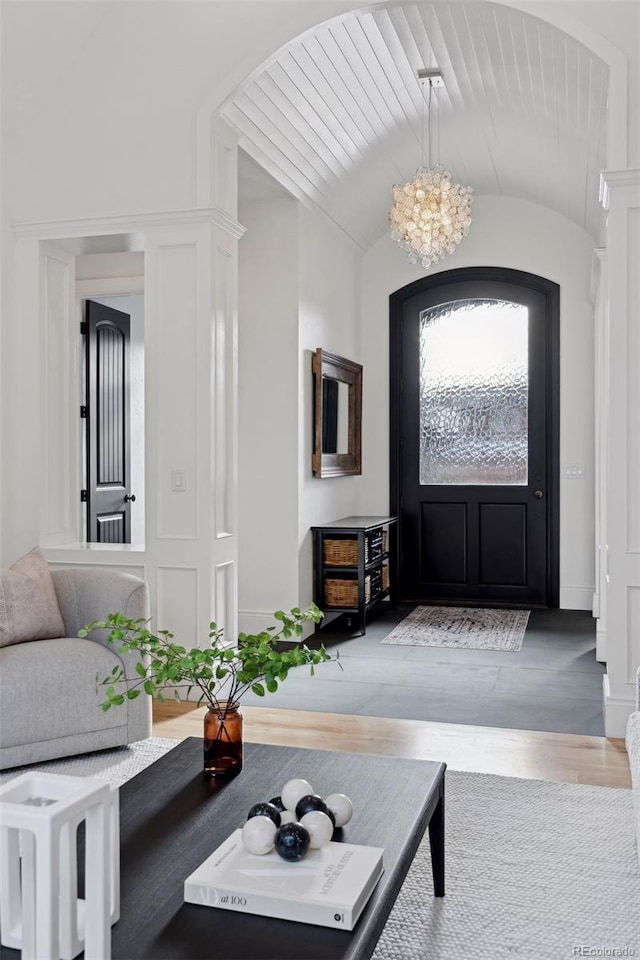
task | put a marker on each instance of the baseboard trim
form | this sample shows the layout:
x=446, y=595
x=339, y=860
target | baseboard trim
x=601, y=645
x=255, y=621
x=616, y=710
x=576, y=598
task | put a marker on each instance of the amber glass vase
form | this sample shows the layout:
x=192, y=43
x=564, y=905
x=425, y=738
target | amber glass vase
x=223, y=741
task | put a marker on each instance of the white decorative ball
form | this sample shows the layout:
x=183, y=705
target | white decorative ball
x=319, y=826
x=288, y=816
x=341, y=807
x=258, y=835
x=293, y=791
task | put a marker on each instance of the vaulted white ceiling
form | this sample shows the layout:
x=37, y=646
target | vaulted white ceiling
x=336, y=116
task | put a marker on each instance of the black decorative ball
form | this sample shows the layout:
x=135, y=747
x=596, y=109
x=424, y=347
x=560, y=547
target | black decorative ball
x=278, y=804
x=292, y=841
x=313, y=802
x=265, y=810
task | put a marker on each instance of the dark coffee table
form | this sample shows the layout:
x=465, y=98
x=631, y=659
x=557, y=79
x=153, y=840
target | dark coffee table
x=171, y=819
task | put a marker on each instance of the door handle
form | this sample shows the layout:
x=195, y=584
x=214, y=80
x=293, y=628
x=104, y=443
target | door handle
x=131, y=498
x=538, y=494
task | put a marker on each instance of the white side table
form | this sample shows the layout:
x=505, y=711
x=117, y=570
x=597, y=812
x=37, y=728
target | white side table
x=40, y=912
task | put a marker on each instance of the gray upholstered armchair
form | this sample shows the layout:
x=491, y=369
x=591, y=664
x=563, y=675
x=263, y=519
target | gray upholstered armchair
x=49, y=706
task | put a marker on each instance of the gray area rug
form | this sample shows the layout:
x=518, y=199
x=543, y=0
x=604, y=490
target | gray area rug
x=467, y=628
x=116, y=766
x=534, y=870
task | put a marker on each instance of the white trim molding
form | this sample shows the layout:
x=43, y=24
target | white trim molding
x=614, y=179
x=576, y=598
x=621, y=478
x=134, y=223
x=254, y=621
x=599, y=301
x=616, y=709
x=601, y=645
x=109, y=287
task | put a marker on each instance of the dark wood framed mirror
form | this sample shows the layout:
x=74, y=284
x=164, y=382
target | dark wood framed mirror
x=337, y=417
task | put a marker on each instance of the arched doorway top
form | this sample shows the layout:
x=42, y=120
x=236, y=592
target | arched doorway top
x=335, y=114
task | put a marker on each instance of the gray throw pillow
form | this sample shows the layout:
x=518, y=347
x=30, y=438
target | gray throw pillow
x=28, y=604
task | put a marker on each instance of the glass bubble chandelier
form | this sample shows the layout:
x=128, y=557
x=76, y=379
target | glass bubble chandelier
x=432, y=213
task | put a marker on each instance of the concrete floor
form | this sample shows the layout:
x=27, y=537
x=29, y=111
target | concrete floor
x=553, y=683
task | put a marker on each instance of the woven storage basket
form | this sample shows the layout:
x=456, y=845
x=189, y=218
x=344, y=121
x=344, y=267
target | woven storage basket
x=385, y=576
x=341, y=553
x=344, y=593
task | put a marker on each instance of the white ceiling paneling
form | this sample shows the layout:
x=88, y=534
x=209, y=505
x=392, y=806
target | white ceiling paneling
x=337, y=116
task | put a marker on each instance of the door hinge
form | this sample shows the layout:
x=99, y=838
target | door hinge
x=83, y=327
x=83, y=413
x=83, y=496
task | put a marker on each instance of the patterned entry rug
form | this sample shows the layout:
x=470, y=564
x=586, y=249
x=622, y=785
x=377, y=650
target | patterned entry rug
x=466, y=628
x=535, y=871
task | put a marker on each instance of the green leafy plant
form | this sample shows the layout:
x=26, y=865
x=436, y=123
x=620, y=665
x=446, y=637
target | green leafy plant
x=218, y=673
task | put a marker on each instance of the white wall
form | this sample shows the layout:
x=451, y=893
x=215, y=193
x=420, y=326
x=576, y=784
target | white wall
x=100, y=99
x=506, y=233
x=329, y=318
x=299, y=290
x=267, y=411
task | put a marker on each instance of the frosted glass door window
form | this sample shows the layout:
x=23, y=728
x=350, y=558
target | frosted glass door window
x=474, y=388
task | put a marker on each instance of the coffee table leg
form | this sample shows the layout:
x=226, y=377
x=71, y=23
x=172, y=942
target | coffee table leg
x=436, y=841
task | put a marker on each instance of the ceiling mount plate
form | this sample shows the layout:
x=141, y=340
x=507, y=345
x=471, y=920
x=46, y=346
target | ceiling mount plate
x=433, y=75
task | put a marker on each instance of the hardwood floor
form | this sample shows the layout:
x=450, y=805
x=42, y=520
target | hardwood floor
x=511, y=753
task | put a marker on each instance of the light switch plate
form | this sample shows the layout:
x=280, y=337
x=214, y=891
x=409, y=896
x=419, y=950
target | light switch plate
x=178, y=481
x=574, y=471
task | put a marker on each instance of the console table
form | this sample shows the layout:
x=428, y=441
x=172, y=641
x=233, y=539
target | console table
x=355, y=564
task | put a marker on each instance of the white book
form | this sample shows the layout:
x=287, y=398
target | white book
x=328, y=887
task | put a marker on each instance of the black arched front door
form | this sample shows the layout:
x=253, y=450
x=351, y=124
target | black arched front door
x=475, y=436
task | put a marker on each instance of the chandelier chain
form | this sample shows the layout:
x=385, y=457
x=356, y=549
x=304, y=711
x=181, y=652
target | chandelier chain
x=430, y=127
x=422, y=123
x=438, y=118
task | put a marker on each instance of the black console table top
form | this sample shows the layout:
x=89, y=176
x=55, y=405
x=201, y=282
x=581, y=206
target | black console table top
x=171, y=819
x=351, y=524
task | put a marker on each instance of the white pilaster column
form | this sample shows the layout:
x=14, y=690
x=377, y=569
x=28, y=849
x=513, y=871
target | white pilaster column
x=621, y=198
x=191, y=442
x=601, y=370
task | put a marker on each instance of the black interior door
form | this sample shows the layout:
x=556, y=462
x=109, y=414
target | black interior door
x=108, y=424
x=474, y=438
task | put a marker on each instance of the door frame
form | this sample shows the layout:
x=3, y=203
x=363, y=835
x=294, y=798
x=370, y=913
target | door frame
x=551, y=293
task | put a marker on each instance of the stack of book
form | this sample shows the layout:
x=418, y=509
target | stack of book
x=329, y=887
